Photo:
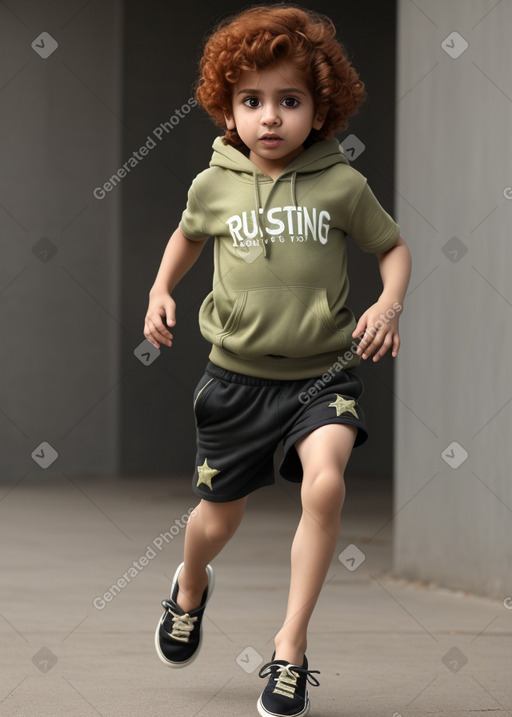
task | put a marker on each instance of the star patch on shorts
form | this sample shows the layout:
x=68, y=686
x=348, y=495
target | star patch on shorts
x=206, y=474
x=344, y=405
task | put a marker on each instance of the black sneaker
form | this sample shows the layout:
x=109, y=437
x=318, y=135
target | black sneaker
x=178, y=633
x=286, y=694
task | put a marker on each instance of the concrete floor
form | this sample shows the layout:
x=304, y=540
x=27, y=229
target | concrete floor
x=70, y=646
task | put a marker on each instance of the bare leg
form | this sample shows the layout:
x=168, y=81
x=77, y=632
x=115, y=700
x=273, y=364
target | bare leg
x=324, y=454
x=208, y=530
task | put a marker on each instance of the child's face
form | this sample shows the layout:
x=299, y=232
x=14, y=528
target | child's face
x=273, y=113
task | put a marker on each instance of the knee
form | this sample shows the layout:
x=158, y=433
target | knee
x=323, y=493
x=219, y=521
x=218, y=531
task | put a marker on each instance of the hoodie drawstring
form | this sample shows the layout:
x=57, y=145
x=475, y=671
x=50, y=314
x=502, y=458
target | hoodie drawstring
x=257, y=201
x=293, y=188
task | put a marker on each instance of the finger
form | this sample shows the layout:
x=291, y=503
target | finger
x=156, y=322
x=396, y=345
x=384, y=348
x=360, y=327
x=153, y=335
x=159, y=333
x=373, y=342
x=149, y=337
x=365, y=340
x=170, y=315
x=369, y=342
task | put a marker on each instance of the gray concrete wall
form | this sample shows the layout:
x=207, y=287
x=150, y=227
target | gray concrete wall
x=59, y=289
x=453, y=492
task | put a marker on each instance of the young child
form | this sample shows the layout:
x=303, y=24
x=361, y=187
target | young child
x=280, y=199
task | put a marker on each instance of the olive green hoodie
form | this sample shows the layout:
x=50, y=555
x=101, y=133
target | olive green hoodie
x=277, y=308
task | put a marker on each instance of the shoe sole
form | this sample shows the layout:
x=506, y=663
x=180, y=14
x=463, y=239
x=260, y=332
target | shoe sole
x=264, y=713
x=170, y=663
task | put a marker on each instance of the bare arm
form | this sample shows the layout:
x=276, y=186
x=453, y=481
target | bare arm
x=179, y=256
x=379, y=323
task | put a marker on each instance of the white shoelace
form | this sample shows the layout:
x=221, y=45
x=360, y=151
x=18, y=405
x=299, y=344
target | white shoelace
x=286, y=677
x=182, y=626
x=286, y=683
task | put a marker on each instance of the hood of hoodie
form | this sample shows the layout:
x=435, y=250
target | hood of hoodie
x=318, y=156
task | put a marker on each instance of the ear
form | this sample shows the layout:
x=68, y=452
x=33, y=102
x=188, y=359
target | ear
x=318, y=121
x=230, y=121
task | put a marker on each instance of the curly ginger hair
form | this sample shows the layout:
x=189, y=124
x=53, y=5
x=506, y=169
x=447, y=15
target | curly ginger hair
x=261, y=37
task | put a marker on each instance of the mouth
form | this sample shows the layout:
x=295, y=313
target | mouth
x=271, y=140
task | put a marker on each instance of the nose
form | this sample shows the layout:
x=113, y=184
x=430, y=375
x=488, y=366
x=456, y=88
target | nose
x=270, y=114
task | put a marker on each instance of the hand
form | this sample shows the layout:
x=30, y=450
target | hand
x=161, y=306
x=378, y=329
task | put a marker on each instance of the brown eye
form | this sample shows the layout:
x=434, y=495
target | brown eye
x=291, y=102
x=252, y=102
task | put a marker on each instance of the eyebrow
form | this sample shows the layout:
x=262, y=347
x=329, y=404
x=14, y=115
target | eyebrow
x=285, y=90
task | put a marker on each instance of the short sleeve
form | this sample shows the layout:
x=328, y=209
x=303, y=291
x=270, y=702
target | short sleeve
x=192, y=222
x=370, y=226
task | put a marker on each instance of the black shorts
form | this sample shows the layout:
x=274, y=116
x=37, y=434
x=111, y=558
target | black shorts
x=241, y=420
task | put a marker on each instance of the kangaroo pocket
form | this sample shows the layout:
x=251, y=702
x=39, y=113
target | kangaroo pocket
x=290, y=321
